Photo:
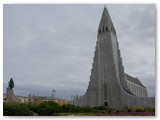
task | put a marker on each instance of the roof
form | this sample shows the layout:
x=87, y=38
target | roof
x=106, y=20
x=134, y=80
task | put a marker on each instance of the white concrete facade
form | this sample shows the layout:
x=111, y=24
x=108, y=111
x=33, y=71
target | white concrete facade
x=137, y=89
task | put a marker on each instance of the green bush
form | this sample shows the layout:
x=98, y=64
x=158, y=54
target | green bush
x=21, y=109
x=135, y=109
x=138, y=109
x=16, y=109
x=33, y=107
x=148, y=109
x=102, y=109
x=70, y=108
x=52, y=108
x=48, y=108
x=87, y=109
x=124, y=110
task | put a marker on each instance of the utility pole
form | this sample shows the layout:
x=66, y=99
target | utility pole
x=53, y=94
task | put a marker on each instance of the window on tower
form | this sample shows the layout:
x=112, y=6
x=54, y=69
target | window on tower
x=99, y=31
x=106, y=29
x=103, y=28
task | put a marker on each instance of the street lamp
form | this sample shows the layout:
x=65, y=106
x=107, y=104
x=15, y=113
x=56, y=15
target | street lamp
x=53, y=94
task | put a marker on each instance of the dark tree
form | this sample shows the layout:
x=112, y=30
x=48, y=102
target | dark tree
x=11, y=84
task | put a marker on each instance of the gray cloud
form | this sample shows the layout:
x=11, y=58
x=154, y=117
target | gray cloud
x=52, y=46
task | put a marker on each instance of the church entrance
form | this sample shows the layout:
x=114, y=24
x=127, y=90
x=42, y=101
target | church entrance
x=105, y=103
x=105, y=94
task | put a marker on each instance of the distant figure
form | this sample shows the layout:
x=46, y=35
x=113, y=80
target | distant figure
x=11, y=84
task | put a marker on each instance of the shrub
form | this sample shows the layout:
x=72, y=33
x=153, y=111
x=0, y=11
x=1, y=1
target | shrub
x=102, y=109
x=33, y=107
x=48, y=108
x=87, y=109
x=138, y=109
x=148, y=109
x=16, y=109
x=124, y=110
x=70, y=108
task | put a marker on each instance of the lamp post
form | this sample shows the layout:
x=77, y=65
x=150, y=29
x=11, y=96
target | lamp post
x=53, y=94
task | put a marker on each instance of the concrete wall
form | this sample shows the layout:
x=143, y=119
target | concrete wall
x=131, y=101
x=127, y=100
x=137, y=89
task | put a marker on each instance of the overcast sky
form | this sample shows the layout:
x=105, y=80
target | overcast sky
x=50, y=47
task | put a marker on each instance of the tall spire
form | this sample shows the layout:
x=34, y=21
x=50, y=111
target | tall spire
x=105, y=22
x=107, y=85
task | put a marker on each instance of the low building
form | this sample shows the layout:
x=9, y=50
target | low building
x=136, y=87
x=38, y=99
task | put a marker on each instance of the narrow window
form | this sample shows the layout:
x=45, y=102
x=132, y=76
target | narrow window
x=99, y=31
x=106, y=29
x=103, y=28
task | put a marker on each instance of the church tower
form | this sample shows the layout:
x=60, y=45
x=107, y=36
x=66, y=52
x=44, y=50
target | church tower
x=108, y=85
x=107, y=71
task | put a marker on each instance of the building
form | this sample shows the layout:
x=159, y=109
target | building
x=38, y=99
x=109, y=85
x=135, y=86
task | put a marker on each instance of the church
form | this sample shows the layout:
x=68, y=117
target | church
x=109, y=85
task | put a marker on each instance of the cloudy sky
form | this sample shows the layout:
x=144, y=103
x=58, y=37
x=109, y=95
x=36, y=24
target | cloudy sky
x=50, y=47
